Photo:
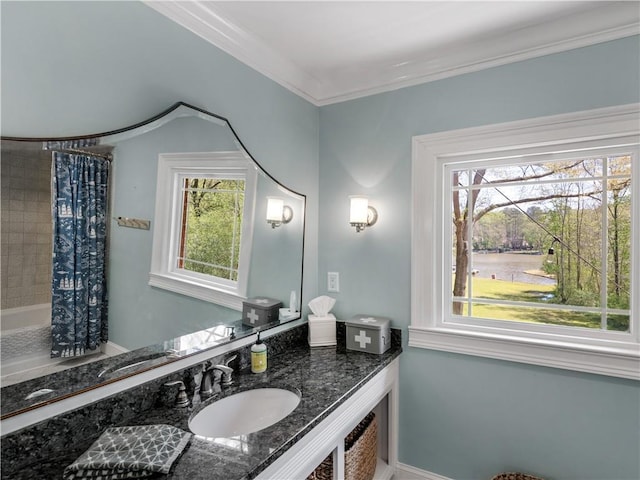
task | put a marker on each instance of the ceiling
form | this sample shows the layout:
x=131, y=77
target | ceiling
x=331, y=51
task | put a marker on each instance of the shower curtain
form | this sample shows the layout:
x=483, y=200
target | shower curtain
x=79, y=289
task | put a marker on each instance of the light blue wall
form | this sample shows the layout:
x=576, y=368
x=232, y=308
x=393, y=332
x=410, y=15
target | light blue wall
x=69, y=68
x=466, y=417
x=72, y=68
x=138, y=313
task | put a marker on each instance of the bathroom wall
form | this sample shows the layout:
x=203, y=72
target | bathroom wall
x=25, y=258
x=72, y=67
x=466, y=417
x=80, y=67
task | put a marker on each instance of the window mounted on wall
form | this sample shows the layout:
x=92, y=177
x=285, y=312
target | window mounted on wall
x=530, y=256
x=203, y=228
x=541, y=243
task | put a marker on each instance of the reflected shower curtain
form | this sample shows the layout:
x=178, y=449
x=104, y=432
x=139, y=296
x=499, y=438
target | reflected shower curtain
x=79, y=289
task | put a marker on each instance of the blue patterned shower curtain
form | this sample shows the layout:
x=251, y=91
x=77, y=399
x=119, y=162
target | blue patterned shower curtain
x=79, y=288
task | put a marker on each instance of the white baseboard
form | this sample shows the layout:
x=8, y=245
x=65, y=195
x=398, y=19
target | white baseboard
x=407, y=472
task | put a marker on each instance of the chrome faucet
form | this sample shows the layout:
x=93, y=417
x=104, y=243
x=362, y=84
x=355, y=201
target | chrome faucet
x=206, y=387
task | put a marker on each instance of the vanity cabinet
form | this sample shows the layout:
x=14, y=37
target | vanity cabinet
x=380, y=395
x=338, y=390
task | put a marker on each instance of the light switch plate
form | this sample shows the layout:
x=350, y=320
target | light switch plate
x=333, y=282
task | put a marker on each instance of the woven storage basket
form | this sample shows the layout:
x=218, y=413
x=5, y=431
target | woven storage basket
x=324, y=471
x=515, y=476
x=361, y=450
x=360, y=453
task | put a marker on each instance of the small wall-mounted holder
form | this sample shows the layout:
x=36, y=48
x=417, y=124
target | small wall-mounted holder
x=277, y=212
x=230, y=332
x=133, y=223
x=361, y=214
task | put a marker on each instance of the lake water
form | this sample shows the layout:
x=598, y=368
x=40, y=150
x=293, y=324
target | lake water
x=510, y=267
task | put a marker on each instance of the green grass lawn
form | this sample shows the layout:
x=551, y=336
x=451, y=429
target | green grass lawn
x=528, y=292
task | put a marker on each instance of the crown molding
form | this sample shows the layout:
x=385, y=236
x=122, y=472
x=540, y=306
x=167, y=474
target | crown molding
x=480, y=56
x=202, y=19
x=596, y=25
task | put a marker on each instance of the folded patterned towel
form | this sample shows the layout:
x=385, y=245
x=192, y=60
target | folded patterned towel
x=130, y=452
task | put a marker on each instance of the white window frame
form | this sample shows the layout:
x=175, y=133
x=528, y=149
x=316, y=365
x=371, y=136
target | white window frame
x=615, y=353
x=172, y=169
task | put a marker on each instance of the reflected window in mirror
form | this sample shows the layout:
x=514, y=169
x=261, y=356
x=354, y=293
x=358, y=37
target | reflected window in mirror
x=210, y=233
x=202, y=236
x=145, y=320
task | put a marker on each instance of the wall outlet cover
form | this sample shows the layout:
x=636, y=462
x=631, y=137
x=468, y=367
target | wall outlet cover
x=333, y=282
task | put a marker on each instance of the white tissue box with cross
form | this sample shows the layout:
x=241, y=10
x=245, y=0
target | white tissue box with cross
x=368, y=333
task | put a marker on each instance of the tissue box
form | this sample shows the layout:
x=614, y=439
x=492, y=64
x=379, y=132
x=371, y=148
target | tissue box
x=259, y=311
x=322, y=330
x=366, y=333
x=287, y=314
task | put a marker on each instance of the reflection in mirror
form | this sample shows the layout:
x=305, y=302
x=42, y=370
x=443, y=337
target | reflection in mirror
x=176, y=275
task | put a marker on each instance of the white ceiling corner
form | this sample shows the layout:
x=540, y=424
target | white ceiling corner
x=328, y=52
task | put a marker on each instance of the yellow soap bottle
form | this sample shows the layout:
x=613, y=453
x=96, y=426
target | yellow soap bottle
x=258, y=356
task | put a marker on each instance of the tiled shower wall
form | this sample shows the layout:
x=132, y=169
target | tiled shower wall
x=25, y=255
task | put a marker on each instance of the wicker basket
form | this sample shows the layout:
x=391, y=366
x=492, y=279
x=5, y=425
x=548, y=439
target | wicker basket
x=515, y=476
x=360, y=453
x=324, y=471
x=361, y=450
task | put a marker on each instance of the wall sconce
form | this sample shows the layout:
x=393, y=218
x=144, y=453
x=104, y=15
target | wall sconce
x=277, y=212
x=361, y=214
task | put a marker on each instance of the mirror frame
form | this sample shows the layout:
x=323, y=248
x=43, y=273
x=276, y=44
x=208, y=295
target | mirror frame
x=149, y=352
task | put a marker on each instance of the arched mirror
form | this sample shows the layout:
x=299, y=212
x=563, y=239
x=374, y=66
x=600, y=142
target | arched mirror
x=188, y=241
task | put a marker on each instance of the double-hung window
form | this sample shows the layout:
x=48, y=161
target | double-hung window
x=203, y=226
x=525, y=242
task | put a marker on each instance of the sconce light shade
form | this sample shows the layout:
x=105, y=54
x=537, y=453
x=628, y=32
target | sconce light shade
x=361, y=214
x=274, y=209
x=277, y=212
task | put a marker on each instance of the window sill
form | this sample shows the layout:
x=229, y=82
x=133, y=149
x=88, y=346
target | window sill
x=616, y=362
x=196, y=290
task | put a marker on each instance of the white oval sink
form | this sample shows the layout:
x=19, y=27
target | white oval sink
x=244, y=412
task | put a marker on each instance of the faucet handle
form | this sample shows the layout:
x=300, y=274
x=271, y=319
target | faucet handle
x=182, y=400
x=226, y=370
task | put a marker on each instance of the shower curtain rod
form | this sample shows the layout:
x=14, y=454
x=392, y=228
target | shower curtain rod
x=107, y=156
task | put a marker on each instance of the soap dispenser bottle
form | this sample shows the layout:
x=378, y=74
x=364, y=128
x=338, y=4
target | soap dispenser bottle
x=258, y=356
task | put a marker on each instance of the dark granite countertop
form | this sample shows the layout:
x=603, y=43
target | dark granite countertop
x=324, y=376
x=13, y=398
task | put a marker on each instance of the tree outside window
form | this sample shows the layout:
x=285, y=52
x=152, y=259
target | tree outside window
x=211, y=226
x=528, y=239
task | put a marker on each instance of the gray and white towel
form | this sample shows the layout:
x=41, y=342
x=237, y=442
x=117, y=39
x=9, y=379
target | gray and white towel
x=130, y=452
